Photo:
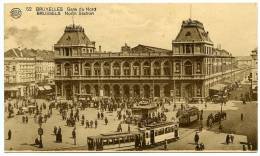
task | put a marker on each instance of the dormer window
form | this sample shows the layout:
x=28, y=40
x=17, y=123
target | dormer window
x=68, y=38
x=188, y=34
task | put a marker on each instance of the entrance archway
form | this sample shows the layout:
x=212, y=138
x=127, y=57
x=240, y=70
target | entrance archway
x=126, y=90
x=136, y=90
x=68, y=92
x=106, y=90
x=146, y=91
x=167, y=90
x=116, y=89
x=87, y=89
x=156, y=91
x=96, y=90
x=188, y=92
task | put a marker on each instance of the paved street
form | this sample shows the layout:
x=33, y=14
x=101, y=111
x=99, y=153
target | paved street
x=25, y=134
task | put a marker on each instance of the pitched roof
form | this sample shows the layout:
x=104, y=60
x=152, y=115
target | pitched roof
x=73, y=35
x=192, y=30
x=30, y=53
x=15, y=52
x=144, y=48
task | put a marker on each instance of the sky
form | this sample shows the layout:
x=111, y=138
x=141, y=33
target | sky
x=234, y=26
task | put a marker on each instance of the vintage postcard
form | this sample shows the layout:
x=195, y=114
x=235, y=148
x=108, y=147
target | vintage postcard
x=164, y=77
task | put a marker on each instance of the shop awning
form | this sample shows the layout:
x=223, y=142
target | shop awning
x=47, y=87
x=40, y=88
x=218, y=87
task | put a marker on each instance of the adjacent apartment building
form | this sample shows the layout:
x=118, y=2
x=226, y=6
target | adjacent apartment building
x=24, y=69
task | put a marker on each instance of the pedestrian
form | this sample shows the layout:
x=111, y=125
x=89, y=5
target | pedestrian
x=129, y=129
x=106, y=121
x=250, y=146
x=202, y=147
x=242, y=116
x=244, y=148
x=98, y=115
x=9, y=134
x=91, y=124
x=59, y=135
x=26, y=119
x=96, y=123
x=87, y=124
x=102, y=115
x=227, y=139
x=55, y=130
x=196, y=138
x=74, y=135
x=165, y=145
x=232, y=138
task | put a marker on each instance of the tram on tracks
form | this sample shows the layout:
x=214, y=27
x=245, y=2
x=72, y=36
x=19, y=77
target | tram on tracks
x=150, y=135
x=188, y=116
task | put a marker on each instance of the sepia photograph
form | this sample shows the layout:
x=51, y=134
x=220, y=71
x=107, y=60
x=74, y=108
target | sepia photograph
x=114, y=77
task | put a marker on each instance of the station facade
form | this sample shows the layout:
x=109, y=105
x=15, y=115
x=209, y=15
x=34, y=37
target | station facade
x=187, y=71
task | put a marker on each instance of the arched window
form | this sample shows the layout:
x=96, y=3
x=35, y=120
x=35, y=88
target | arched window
x=156, y=68
x=106, y=68
x=198, y=67
x=116, y=68
x=188, y=68
x=67, y=67
x=97, y=69
x=87, y=69
x=146, y=68
x=76, y=69
x=177, y=67
x=58, y=70
x=136, y=69
x=126, y=68
x=166, y=68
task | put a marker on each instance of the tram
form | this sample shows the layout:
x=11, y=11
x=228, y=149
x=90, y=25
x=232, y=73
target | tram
x=150, y=135
x=188, y=116
x=157, y=133
x=113, y=141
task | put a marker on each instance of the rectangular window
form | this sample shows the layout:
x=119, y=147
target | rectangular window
x=177, y=68
x=199, y=91
x=198, y=67
x=58, y=69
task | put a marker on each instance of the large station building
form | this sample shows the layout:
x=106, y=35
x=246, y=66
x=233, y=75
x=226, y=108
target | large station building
x=188, y=71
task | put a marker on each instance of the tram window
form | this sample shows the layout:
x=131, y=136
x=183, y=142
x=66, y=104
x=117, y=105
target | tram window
x=132, y=138
x=105, y=142
x=122, y=140
x=161, y=131
x=116, y=141
x=110, y=141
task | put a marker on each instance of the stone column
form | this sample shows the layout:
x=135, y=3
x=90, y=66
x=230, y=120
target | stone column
x=141, y=90
x=62, y=89
x=111, y=90
x=162, y=90
x=161, y=65
x=151, y=90
x=79, y=87
x=131, y=90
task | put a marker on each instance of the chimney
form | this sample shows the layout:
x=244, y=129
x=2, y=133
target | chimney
x=99, y=49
